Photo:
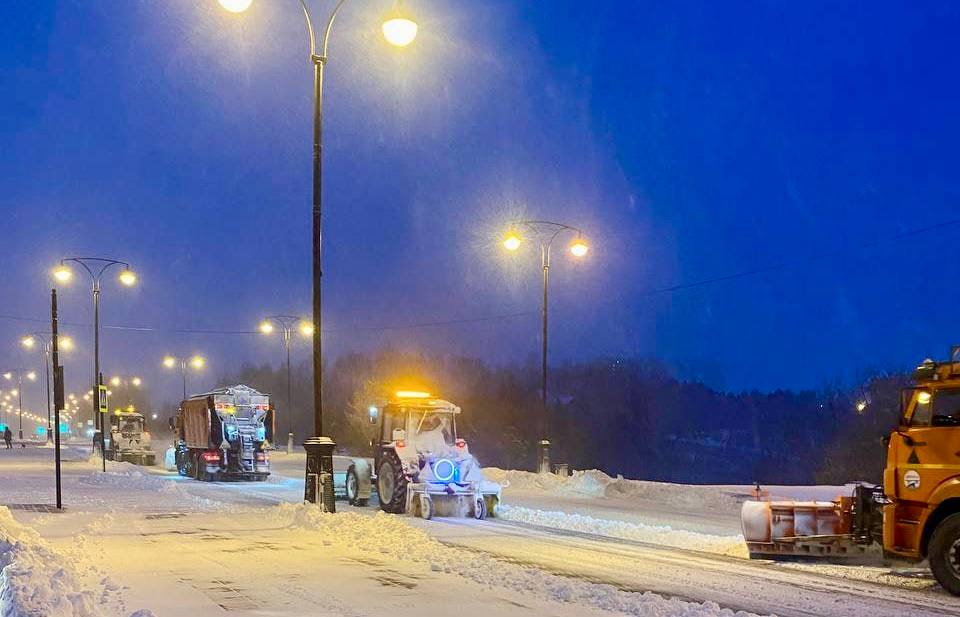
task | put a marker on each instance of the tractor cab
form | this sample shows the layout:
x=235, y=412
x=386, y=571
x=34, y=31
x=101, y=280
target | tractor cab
x=414, y=425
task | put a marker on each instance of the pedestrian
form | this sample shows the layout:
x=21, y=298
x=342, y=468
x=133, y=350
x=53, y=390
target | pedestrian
x=8, y=437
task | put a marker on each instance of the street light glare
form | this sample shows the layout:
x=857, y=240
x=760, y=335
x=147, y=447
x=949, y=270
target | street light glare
x=114, y=381
x=197, y=362
x=31, y=376
x=62, y=273
x=579, y=248
x=236, y=6
x=512, y=242
x=128, y=278
x=8, y=375
x=306, y=328
x=28, y=342
x=66, y=343
x=169, y=361
x=136, y=381
x=266, y=327
x=399, y=31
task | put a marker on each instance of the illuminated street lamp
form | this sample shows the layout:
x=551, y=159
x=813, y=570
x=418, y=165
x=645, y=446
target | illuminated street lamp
x=19, y=373
x=286, y=323
x=95, y=267
x=544, y=232
x=398, y=30
x=195, y=362
x=35, y=340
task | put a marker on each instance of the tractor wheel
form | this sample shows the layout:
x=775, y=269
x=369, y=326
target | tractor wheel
x=479, y=509
x=944, y=553
x=392, y=485
x=353, y=489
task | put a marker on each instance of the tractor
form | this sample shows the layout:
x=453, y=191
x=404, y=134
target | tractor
x=422, y=466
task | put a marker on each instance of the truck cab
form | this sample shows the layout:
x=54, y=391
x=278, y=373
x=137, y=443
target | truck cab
x=922, y=474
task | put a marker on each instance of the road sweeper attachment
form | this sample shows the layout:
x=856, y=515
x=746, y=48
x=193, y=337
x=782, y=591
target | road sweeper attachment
x=842, y=527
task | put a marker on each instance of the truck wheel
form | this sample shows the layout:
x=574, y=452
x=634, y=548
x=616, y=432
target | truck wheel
x=944, y=553
x=353, y=488
x=479, y=509
x=392, y=485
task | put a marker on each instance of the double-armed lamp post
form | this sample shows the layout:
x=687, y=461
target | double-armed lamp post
x=287, y=324
x=19, y=373
x=400, y=31
x=96, y=267
x=184, y=365
x=546, y=233
x=41, y=340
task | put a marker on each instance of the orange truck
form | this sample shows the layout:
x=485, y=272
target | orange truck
x=914, y=515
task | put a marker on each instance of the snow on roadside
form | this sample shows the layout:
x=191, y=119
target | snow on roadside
x=37, y=581
x=393, y=537
x=665, y=535
x=596, y=484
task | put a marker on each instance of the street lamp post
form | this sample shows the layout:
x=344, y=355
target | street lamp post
x=96, y=267
x=20, y=374
x=30, y=341
x=399, y=31
x=545, y=232
x=286, y=324
x=182, y=364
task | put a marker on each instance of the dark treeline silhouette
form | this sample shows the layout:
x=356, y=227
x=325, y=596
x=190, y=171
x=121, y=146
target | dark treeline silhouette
x=629, y=417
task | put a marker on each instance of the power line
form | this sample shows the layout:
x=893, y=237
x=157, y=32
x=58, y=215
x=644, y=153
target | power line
x=452, y=322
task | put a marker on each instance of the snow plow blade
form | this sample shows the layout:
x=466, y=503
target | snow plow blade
x=788, y=529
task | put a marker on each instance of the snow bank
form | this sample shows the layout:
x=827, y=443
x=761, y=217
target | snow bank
x=596, y=484
x=655, y=534
x=36, y=581
x=394, y=538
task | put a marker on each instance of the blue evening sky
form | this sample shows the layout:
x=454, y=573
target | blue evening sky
x=691, y=140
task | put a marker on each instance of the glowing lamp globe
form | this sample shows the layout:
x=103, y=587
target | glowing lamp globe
x=63, y=274
x=169, y=361
x=579, y=248
x=511, y=242
x=236, y=6
x=29, y=342
x=399, y=31
x=128, y=278
x=306, y=328
x=266, y=327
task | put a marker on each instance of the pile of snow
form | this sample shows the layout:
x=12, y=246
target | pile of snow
x=394, y=538
x=664, y=535
x=596, y=484
x=37, y=581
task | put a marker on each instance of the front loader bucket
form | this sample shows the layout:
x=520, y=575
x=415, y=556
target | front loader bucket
x=777, y=529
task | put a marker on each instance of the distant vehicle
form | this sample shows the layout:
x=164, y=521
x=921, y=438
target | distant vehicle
x=422, y=466
x=129, y=440
x=224, y=435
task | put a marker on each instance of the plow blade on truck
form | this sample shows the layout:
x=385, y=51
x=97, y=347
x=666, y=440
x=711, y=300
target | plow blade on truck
x=844, y=527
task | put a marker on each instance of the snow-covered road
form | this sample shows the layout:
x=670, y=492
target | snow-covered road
x=137, y=538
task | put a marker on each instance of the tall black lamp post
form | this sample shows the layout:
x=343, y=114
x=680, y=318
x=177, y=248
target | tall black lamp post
x=399, y=31
x=545, y=233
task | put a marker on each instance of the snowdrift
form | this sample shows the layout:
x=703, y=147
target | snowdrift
x=36, y=581
x=596, y=484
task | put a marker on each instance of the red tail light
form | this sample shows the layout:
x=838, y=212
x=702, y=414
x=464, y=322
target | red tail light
x=401, y=443
x=262, y=457
x=461, y=443
x=211, y=457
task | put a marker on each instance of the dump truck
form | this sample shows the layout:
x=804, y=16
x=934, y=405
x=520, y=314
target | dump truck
x=224, y=435
x=913, y=515
x=421, y=465
x=128, y=440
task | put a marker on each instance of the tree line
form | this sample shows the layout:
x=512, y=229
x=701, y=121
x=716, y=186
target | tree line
x=623, y=416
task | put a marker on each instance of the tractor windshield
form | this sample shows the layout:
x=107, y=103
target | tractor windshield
x=435, y=431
